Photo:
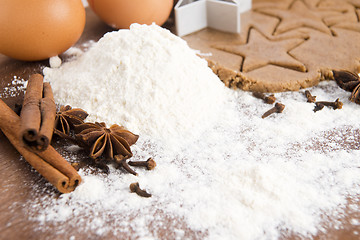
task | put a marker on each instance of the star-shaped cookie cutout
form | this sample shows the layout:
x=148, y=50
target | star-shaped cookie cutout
x=298, y=15
x=192, y=16
x=260, y=51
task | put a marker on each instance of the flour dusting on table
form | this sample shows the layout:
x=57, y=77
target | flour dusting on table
x=15, y=88
x=244, y=177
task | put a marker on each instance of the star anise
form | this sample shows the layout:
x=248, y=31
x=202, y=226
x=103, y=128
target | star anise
x=66, y=118
x=112, y=143
x=346, y=79
x=349, y=82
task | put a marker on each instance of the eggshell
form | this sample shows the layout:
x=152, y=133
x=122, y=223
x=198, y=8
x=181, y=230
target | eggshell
x=122, y=13
x=37, y=30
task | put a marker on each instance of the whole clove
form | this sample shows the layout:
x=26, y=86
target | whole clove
x=321, y=104
x=134, y=187
x=278, y=108
x=267, y=99
x=149, y=164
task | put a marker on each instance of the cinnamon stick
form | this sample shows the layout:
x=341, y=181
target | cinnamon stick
x=48, y=114
x=49, y=163
x=30, y=112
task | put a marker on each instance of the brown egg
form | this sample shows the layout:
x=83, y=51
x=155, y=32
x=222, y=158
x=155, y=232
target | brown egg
x=122, y=13
x=37, y=30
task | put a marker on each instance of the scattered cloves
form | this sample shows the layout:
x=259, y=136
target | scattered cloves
x=335, y=105
x=149, y=164
x=267, y=99
x=278, y=108
x=134, y=187
x=310, y=98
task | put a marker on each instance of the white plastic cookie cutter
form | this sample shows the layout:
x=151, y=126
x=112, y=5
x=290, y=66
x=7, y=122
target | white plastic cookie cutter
x=194, y=15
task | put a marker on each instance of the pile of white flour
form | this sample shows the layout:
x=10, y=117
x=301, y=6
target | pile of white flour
x=146, y=79
x=243, y=178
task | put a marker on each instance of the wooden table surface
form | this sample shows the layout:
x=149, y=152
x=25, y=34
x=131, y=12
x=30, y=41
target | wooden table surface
x=17, y=177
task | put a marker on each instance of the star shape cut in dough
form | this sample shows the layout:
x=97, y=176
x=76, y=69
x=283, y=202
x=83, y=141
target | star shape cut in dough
x=298, y=15
x=260, y=51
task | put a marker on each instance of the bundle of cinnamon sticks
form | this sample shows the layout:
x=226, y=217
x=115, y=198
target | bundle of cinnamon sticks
x=38, y=113
x=31, y=134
